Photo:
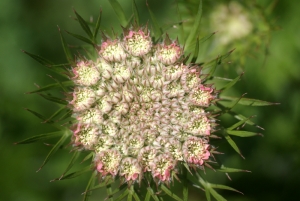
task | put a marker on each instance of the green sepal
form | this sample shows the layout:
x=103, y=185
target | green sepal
x=52, y=86
x=54, y=99
x=233, y=82
x=84, y=25
x=191, y=40
x=135, y=12
x=170, y=193
x=248, y=101
x=119, y=11
x=82, y=38
x=40, y=137
x=74, y=174
x=66, y=48
x=55, y=148
x=97, y=27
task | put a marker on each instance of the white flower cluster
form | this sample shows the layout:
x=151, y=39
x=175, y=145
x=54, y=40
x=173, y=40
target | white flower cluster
x=140, y=109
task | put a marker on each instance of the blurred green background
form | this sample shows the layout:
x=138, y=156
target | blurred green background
x=32, y=25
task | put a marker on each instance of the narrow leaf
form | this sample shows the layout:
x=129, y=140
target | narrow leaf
x=242, y=133
x=54, y=149
x=219, y=186
x=52, y=86
x=122, y=195
x=82, y=38
x=97, y=27
x=84, y=25
x=74, y=174
x=232, y=144
x=148, y=196
x=195, y=30
x=90, y=184
x=234, y=126
x=71, y=163
x=205, y=38
x=249, y=101
x=40, y=137
x=227, y=169
x=119, y=11
x=216, y=195
x=58, y=112
x=194, y=56
x=135, y=12
x=90, y=155
x=156, y=29
x=66, y=48
x=170, y=193
x=153, y=195
x=37, y=114
x=230, y=84
x=54, y=99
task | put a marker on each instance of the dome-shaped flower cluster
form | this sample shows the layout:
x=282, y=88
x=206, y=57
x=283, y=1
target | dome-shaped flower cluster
x=140, y=109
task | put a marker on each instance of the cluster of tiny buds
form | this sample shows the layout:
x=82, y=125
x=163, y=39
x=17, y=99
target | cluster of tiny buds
x=140, y=109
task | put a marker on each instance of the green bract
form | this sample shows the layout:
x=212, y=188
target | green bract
x=142, y=110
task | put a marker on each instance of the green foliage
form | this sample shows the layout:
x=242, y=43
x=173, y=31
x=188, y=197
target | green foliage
x=192, y=53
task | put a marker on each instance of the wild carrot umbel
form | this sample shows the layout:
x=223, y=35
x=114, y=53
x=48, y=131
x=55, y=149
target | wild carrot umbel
x=143, y=109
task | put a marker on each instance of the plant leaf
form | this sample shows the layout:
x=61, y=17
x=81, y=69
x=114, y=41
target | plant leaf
x=153, y=195
x=230, y=84
x=242, y=133
x=170, y=193
x=97, y=27
x=135, y=12
x=122, y=195
x=232, y=143
x=82, y=38
x=219, y=186
x=84, y=25
x=227, y=169
x=119, y=11
x=216, y=195
x=90, y=184
x=55, y=148
x=51, y=86
x=66, y=48
x=194, y=31
x=54, y=99
x=40, y=137
x=71, y=163
x=156, y=29
x=74, y=174
x=249, y=101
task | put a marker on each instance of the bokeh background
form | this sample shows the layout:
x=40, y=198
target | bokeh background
x=272, y=73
